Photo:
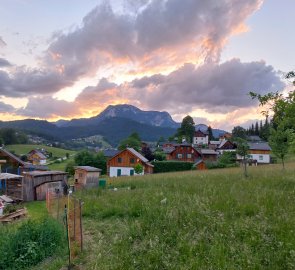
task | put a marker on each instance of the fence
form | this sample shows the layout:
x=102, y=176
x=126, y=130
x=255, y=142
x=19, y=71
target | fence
x=67, y=210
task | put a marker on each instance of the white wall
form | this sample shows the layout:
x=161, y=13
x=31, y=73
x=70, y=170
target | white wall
x=200, y=140
x=124, y=171
x=261, y=158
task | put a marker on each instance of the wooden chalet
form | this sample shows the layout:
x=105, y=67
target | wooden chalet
x=36, y=157
x=183, y=152
x=123, y=163
x=209, y=155
x=226, y=146
x=86, y=176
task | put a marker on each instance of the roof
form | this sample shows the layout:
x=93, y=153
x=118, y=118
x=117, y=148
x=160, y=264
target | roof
x=7, y=176
x=223, y=142
x=254, y=138
x=168, y=150
x=259, y=146
x=43, y=173
x=88, y=168
x=140, y=156
x=12, y=156
x=198, y=162
x=208, y=152
x=39, y=153
x=110, y=152
x=215, y=142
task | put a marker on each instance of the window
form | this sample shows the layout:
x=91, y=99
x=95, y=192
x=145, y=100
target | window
x=260, y=157
x=119, y=160
x=179, y=156
x=189, y=155
x=132, y=160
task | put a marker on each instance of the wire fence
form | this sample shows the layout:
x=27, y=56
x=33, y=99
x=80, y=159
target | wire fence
x=68, y=211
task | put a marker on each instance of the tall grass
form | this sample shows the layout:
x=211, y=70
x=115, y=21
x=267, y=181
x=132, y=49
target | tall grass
x=193, y=220
x=24, y=246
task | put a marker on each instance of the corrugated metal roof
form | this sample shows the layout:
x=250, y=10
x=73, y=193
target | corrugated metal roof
x=88, y=168
x=208, y=151
x=215, y=142
x=6, y=176
x=259, y=146
x=140, y=156
x=43, y=173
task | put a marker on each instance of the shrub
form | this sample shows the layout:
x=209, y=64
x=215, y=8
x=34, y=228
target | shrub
x=30, y=243
x=171, y=166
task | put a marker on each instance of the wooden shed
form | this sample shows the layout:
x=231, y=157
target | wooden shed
x=86, y=176
x=36, y=183
x=12, y=185
x=200, y=165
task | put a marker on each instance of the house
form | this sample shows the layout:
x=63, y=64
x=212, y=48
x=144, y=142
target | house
x=86, y=176
x=209, y=155
x=214, y=144
x=260, y=151
x=200, y=165
x=226, y=146
x=36, y=157
x=225, y=136
x=183, y=152
x=15, y=165
x=124, y=162
x=109, y=153
x=201, y=138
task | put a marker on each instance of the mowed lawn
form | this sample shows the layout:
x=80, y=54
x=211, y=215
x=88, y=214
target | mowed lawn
x=193, y=220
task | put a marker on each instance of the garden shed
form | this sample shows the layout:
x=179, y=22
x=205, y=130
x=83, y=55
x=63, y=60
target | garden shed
x=86, y=176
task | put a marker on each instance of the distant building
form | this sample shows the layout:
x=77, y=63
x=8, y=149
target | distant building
x=123, y=163
x=226, y=146
x=183, y=152
x=209, y=155
x=86, y=176
x=36, y=157
x=260, y=151
x=201, y=138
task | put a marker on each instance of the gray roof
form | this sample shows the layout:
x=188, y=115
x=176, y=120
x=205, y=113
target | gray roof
x=168, y=150
x=110, y=152
x=38, y=152
x=140, y=156
x=6, y=176
x=259, y=146
x=208, y=151
x=43, y=173
x=88, y=168
x=215, y=142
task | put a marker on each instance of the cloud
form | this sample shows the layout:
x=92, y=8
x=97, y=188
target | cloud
x=213, y=88
x=6, y=108
x=48, y=107
x=4, y=63
x=2, y=42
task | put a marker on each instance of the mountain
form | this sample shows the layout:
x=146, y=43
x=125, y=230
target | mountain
x=216, y=132
x=112, y=129
x=152, y=118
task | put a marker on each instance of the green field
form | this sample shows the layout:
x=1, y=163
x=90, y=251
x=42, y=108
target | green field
x=193, y=220
x=23, y=149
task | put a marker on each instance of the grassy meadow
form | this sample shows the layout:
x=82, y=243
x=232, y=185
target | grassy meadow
x=192, y=220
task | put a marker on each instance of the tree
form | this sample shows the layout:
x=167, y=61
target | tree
x=132, y=141
x=239, y=132
x=147, y=153
x=8, y=135
x=242, y=150
x=187, y=129
x=101, y=162
x=85, y=158
x=256, y=132
x=159, y=156
x=210, y=133
x=138, y=168
x=280, y=141
x=70, y=168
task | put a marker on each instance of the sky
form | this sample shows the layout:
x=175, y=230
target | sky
x=71, y=59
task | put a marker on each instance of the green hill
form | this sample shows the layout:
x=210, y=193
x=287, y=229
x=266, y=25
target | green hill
x=23, y=149
x=193, y=220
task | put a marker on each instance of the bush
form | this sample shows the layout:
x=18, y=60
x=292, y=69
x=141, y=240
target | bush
x=171, y=166
x=30, y=243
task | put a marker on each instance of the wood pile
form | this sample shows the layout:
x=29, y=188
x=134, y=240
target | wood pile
x=20, y=213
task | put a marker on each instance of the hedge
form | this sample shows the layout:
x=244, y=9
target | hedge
x=171, y=166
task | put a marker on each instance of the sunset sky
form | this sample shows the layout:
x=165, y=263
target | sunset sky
x=71, y=59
